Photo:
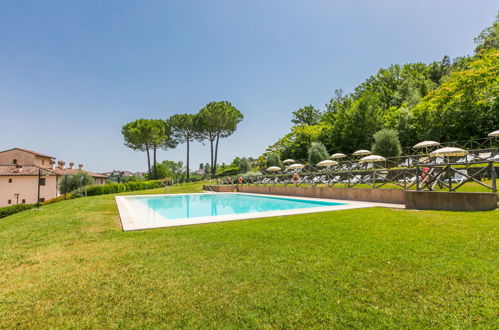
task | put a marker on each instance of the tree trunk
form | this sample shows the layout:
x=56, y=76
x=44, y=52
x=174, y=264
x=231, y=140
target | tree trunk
x=148, y=163
x=154, y=162
x=216, y=155
x=211, y=158
x=187, y=174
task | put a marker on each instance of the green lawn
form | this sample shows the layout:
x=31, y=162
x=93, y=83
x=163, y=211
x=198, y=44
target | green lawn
x=70, y=265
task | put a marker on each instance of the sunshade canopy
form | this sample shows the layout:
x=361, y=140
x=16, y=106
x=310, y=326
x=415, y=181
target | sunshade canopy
x=288, y=161
x=426, y=144
x=327, y=162
x=295, y=166
x=362, y=152
x=494, y=133
x=337, y=155
x=273, y=169
x=372, y=158
x=449, y=151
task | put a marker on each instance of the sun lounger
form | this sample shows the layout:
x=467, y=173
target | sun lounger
x=483, y=156
x=459, y=176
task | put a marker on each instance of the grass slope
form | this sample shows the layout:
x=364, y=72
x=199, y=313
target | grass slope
x=70, y=265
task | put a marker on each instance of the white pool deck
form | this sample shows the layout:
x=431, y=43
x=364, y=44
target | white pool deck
x=139, y=216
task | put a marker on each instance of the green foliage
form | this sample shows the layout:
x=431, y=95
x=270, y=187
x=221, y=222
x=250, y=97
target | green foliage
x=112, y=188
x=69, y=183
x=465, y=106
x=489, y=37
x=307, y=115
x=57, y=199
x=272, y=159
x=149, y=135
x=316, y=153
x=170, y=169
x=218, y=120
x=186, y=128
x=244, y=165
x=386, y=143
x=444, y=101
x=9, y=210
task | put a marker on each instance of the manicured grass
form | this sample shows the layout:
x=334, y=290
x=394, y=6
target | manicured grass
x=70, y=265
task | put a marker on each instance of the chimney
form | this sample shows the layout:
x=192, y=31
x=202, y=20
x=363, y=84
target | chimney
x=53, y=165
x=72, y=165
x=61, y=164
x=80, y=167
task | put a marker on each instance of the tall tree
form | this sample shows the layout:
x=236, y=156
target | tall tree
x=218, y=120
x=161, y=138
x=307, y=115
x=148, y=135
x=136, y=135
x=185, y=128
x=489, y=37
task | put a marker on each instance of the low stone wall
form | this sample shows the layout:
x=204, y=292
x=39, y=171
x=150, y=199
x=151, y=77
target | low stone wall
x=450, y=201
x=221, y=188
x=353, y=194
x=421, y=200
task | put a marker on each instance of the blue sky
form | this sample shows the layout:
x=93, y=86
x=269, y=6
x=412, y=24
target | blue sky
x=73, y=72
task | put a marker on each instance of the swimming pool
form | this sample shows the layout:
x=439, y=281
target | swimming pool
x=155, y=211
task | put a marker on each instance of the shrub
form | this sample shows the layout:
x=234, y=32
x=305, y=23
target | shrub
x=57, y=199
x=244, y=165
x=317, y=152
x=272, y=160
x=112, y=188
x=75, y=181
x=386, y=143
x=9, y=210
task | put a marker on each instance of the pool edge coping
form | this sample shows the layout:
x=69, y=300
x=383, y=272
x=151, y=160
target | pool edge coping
x=130, y=221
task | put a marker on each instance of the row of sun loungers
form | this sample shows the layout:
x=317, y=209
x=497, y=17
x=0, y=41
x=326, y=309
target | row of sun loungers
x=459, y=177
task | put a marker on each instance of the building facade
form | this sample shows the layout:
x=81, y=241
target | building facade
x=27, y=177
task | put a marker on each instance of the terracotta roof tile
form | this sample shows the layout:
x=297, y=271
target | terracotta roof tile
x=30, y=151
x=24, y=170
x=68, y=171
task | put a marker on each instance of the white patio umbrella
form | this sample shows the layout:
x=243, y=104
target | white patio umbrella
x=295, y=166
x=449, y=152
x=362, y=152
x=337, y=155
x=274, y=169
x=426, y=144
x=372, y=158
x=288, y=161
x=327, y=162
x=494, y=133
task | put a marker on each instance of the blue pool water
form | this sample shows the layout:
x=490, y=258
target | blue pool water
x=203, y=205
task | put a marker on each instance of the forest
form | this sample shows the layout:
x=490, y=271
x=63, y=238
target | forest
x=447, y=100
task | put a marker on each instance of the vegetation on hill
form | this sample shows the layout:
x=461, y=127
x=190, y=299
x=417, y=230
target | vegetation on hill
x=443, y=101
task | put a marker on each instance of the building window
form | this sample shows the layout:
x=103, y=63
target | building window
x=41, y=200
x=42, y=181
x=24, y=201
x=9, y=202
x=14, y=161
x=43, y=162
x=10, y=180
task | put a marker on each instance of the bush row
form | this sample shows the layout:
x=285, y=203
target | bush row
x=57, y=199
x=9, y=210
x=112, y=188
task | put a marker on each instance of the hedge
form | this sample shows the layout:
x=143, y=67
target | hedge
x=112, y=188
x=9, y=210
x=57, y=199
